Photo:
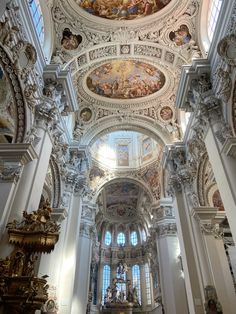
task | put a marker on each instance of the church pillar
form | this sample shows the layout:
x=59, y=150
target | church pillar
x=221, y=150
x=62, y=274
x=13, y=158
x=180, y=184
x=172, y=280
x=84, y=250
x=213, y=248
x=209, y=125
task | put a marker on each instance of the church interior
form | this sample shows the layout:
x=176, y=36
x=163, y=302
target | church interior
x=117, y=156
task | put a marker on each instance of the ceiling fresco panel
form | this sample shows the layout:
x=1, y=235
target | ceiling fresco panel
x=125, y=79
x=122, y=9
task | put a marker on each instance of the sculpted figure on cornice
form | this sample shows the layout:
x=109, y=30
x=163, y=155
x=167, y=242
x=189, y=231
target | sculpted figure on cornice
x=7, y=32
x=225, y=85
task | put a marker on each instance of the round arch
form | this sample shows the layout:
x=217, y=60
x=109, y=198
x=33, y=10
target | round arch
x=130, y=179
x=141, y=125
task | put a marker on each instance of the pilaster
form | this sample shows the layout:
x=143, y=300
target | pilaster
x=213, y=248
x=181, y=176
x=206, y=98
x=172, y=280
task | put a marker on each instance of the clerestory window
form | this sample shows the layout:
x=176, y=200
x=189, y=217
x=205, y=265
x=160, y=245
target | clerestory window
x=37, y=18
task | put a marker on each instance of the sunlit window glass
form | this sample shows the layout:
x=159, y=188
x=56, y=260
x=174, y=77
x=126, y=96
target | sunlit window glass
x=144, y=236
x=136, y=281
x=107, y=238
x=134, y=238
x=148, y=284
x=106, y=280
x=37, y=18
x=121, y=239
x=213, y=14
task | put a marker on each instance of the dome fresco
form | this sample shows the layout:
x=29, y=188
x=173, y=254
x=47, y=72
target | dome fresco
x=125, y=79
x=122, y=9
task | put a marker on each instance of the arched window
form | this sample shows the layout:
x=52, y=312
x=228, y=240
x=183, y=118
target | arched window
x=134, y=238
x=148, y=284
x=213, y=14
x=144, y=236
x=107, y=238
x=37, y=18
x=121, y=239
x=106, y=280
x=136, y=280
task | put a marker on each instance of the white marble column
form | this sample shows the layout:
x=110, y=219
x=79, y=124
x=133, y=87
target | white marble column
x=13, y=159
x=223, y=161
x=84, y=253
x=66, y=254
x=172, y=279
x=213, y=248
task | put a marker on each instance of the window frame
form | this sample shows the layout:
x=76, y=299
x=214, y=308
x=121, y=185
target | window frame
x=121, y=238
x=106, y=280
x=136, y=280
x=134, y=239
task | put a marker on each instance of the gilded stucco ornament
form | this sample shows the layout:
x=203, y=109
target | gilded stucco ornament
x=21, y=291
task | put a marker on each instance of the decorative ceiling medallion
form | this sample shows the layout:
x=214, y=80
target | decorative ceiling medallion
x=125, y=79
x=86, y=114
x=166, y=113
x=122, y=9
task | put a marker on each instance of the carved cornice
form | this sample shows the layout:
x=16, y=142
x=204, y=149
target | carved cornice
x=17, y=153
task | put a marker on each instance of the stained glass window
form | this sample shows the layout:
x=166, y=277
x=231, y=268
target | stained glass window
x=136, y=280
x=106, y=280
x=134, y=238
x=37, y=18
x=121, y=238
x=107, y=238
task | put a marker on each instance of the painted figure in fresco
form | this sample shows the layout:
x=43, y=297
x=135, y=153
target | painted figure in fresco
x=217, y=201
x=122, y=9
x=181, y=36
x=86, y=114
x=125, y=79
x=70, y=41
x=166, y=113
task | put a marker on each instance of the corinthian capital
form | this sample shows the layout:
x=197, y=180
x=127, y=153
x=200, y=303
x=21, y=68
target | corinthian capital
x=10, y=173
x=167, y=229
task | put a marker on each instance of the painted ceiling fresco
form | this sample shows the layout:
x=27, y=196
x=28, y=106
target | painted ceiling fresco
x=122, y=193
x=122, y=9
x=7, y=110
x=125, y=79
